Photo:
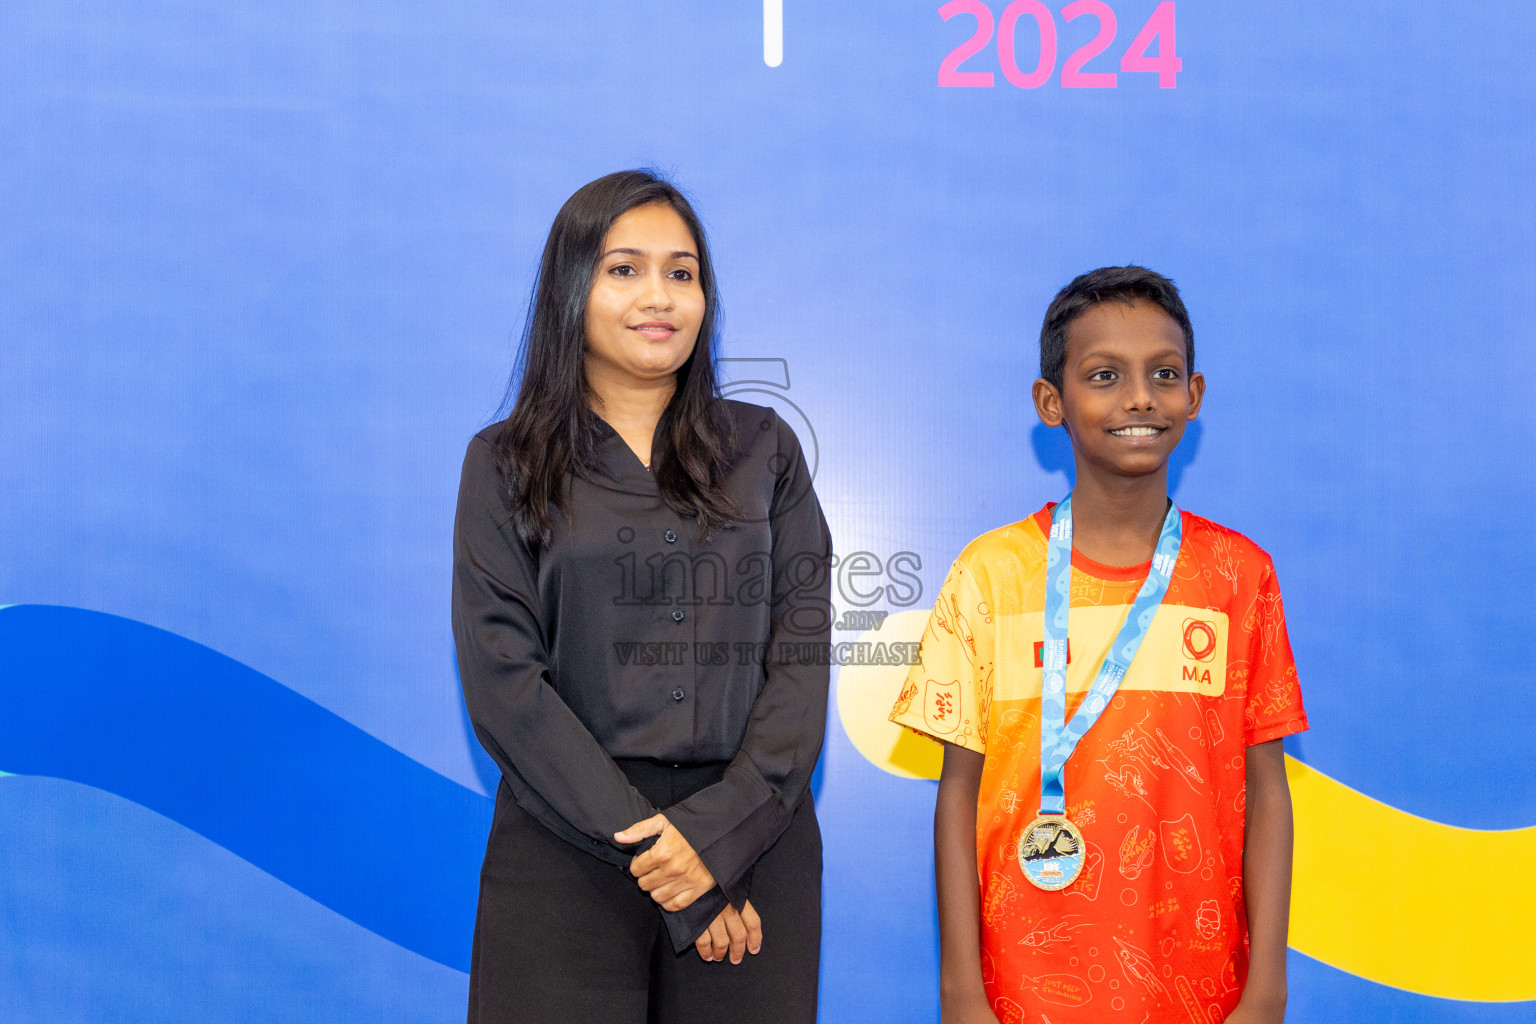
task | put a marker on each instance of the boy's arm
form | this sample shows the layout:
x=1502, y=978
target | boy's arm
x=962, y=998
x=1267, y=883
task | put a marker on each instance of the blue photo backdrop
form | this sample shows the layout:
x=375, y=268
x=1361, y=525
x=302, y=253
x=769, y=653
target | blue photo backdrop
x=262, y=271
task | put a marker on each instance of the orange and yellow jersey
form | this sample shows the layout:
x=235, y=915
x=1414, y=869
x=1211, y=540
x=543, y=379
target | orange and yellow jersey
x=1154, y=929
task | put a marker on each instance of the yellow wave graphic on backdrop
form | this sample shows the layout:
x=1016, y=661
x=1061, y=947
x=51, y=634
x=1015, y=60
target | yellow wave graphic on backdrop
x=1378, y=892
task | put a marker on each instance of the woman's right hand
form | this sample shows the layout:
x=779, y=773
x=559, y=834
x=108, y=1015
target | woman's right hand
x=731, y=934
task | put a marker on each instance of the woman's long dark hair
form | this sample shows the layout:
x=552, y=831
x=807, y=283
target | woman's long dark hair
x=552, y=429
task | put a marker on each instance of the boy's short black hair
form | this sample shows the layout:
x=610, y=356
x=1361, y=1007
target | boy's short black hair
x=1107, y=284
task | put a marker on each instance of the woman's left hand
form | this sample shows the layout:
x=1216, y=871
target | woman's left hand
x=670, y=871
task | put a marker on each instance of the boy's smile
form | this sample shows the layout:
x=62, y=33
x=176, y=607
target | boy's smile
x=1126, y=391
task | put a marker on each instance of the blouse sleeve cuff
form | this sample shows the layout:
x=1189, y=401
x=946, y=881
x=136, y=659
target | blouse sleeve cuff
x=686, y=925
x=729, y=824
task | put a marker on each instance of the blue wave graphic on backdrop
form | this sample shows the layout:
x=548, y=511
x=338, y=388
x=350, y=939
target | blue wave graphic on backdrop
x=247, y=763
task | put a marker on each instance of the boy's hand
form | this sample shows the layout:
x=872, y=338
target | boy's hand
x=1257, y=1011
x=732, y=934
x=972, y=1010
x=670, y=871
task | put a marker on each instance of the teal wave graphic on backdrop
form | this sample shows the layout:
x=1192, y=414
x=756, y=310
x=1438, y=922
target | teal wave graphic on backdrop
x=247, y=763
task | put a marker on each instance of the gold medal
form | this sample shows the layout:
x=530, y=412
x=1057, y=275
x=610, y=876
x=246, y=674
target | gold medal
x=1051, y=852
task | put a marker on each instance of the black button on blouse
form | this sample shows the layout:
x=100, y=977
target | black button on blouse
x=576, y=652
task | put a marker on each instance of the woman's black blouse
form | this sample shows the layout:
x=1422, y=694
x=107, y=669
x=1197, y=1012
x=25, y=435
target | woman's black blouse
x=626, y=636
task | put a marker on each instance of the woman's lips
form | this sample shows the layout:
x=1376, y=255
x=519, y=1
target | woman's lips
x=656, y=330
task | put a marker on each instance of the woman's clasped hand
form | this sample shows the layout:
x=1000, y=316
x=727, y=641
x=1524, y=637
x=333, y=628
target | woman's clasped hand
x=731, y=933
x=670, y=870
x=674, y=876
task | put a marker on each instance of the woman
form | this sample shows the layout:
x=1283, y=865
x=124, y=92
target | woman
x=640, y=593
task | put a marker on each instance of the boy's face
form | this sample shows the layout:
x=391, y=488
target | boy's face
x=1126, y=392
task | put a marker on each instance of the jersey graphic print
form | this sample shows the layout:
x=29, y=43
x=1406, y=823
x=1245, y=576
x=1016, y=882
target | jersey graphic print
x=1153, y=929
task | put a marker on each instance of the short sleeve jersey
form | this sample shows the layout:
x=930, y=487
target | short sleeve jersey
x=1154, y=928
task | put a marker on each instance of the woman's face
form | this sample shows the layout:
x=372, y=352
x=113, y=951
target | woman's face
x=646, y=303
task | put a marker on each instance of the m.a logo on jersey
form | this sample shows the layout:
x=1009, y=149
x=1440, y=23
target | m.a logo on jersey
x=1199, y=639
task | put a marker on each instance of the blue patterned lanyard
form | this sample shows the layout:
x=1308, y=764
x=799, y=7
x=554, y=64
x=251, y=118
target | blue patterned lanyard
x=1058, y=737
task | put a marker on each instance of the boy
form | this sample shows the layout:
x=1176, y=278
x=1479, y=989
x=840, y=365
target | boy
x=1144, y=875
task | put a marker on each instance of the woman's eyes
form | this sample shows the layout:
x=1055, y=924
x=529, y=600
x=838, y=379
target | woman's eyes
x=629, y=270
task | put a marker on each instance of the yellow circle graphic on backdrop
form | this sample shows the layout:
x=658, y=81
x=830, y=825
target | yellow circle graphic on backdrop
x=865, y=695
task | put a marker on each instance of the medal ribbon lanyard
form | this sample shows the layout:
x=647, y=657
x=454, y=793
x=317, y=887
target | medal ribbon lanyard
x=1058, y=737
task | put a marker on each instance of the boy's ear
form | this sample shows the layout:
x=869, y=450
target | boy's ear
x=1048, y=403
x=1196, y=393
